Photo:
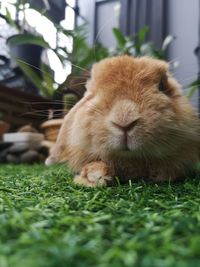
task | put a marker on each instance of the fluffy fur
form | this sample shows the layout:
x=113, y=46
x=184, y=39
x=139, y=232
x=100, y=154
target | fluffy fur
x=134, y=120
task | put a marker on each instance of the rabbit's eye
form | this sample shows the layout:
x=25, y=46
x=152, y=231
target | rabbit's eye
x=162, y=85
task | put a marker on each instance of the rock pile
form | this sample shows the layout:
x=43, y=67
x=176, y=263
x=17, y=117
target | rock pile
x=23, y=147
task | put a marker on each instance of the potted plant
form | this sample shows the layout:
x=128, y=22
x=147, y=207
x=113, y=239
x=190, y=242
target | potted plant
x=24, y=41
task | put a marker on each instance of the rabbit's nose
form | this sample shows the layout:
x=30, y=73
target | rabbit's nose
x=125, y=127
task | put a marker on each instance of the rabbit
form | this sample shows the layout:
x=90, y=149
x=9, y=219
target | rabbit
x=132, y=123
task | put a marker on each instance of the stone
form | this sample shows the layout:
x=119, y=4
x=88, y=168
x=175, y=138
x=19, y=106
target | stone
x=30, y=156
x=3, y=155
x=10, y=158
x=4, y=145
x=19, y=147
x=34, y=138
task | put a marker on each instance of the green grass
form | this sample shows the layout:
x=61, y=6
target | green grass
x=47, y=221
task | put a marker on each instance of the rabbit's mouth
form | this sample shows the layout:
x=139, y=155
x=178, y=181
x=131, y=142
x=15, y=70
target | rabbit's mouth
x=124, y=147
x=128, y=143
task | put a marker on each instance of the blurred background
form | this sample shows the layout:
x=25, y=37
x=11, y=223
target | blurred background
x=48, y=47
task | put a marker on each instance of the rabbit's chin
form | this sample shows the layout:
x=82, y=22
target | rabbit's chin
x=124, y=151
x=138, y=150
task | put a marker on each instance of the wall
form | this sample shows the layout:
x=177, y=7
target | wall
x=107, y=17
x=87, y=10
x=182, y=22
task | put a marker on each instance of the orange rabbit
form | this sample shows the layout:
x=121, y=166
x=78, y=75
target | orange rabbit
x=133, y=122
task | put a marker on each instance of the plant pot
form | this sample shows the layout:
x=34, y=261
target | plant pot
x=51, y=129
x=26, y=52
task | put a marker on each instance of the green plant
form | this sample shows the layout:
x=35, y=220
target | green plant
x=45, y=83
x=192, y=88
x=82, y=56
x=26, y=36
x=137, y=46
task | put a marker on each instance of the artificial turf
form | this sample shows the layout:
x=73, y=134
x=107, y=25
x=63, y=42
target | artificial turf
x=47, y=221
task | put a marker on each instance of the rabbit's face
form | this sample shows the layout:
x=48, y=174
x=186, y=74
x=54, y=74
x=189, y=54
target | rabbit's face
x=131, y=109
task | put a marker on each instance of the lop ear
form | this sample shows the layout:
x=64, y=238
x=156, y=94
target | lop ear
x=89, y=86
x=91, y=79
x=59, y=150
x=94, y=69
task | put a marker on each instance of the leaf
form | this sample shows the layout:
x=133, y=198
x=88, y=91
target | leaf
x=64, y=31
x=192, y=88
x=26, y=38
x=47, y=74
x=142, y=34
x=167, y=41
x=147, y=49
x=191, y=92
x=9, y=19
x=33, y=77
x=139, y=39
x=121, y=40
x=99, y=52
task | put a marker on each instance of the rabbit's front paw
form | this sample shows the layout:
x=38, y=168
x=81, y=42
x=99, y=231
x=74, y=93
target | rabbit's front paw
x=94, y=174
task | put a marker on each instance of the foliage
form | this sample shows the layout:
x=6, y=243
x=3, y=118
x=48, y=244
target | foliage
x=192, y=88
x=22, y=27
x=82, y=56
x=137, y=46
x=28, y=39
x=45, y=84
x=47, y=221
